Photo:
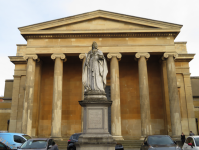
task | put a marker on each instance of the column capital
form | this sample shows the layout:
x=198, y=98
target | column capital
x=166, y=55
x=33, y=56
x=117, y=55
x=142, y=54
x=59, y=55
x=82, y=55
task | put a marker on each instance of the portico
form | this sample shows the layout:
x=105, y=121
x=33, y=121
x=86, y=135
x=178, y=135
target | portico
x=148, y=73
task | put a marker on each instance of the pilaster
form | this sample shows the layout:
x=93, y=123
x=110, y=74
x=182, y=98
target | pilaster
x=189, y=100
x=14, y=106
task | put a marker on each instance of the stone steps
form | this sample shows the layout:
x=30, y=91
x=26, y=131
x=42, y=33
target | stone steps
x=128, y=144
x=62, y=144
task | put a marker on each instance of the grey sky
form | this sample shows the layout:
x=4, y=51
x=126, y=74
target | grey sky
x=17, y=13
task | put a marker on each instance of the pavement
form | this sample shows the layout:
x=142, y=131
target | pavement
x=124, y=149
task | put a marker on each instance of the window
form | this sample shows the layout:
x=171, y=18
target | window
x=188, y=140
x=50, y=142
x=192, y=142
x=75, y=136
x=145, y=140
x=27, y=137
x=160, y=140
x=34, y=144
x=197, y=141
x=19, y=139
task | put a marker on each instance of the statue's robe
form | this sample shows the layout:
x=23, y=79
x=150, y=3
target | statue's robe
x=94, y=71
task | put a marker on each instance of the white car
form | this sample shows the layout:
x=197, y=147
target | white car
x=191, y=143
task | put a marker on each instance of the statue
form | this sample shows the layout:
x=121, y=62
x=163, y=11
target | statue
x=94, y=70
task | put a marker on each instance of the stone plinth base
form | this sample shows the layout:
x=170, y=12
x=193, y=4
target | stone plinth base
x=95, y=125
x=95, y=95
x=95, y=142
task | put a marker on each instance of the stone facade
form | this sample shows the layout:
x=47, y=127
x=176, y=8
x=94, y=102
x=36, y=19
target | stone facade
x=195, y=91
x=145, y=65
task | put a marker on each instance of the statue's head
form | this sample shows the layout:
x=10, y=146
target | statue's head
x=94, y=45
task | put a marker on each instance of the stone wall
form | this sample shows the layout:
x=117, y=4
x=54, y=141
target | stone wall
x=4, y=114
x=195, y=91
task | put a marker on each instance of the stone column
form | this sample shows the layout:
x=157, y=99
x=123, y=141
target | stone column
x=167, y=120
x=144, y=94
x=29, y=96
x=83, y=58
x=14, y=106
x=173, y=94
x=57, y=95
x=115, y=96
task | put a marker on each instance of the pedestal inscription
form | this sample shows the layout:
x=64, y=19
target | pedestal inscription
x=95, y=118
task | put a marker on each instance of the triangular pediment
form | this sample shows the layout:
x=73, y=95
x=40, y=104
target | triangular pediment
x=99, y=24
x=95, y=17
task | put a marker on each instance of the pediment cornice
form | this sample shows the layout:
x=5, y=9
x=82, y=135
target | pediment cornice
x=100, y=14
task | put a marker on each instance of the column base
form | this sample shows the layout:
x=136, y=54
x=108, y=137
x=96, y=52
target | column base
x=118, y=138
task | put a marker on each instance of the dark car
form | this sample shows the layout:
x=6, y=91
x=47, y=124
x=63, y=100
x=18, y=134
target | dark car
x=159, y=142
x=37, y=143
x=3, y=146
x=74, y=138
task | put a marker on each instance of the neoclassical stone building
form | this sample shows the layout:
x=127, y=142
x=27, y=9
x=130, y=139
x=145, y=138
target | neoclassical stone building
x=148, y=79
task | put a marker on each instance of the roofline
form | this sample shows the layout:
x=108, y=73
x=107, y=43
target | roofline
x=195, y=77
x=182, y=42
x=75, y=16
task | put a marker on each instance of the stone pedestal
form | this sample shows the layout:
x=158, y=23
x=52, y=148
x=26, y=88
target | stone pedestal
x=95, y=128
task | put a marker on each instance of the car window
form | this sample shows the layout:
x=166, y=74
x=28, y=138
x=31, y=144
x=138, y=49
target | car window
x=160, y=140
x=19, y=139
x=50, y=142
x=145, y=140
x=75, y=136
x=2, y=146
x=34, y=144
x=192, y=142
x=196, y=141
x=27, y=137
x=188, y=140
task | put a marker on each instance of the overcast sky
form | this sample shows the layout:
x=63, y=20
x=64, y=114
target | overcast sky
x=17, y=13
